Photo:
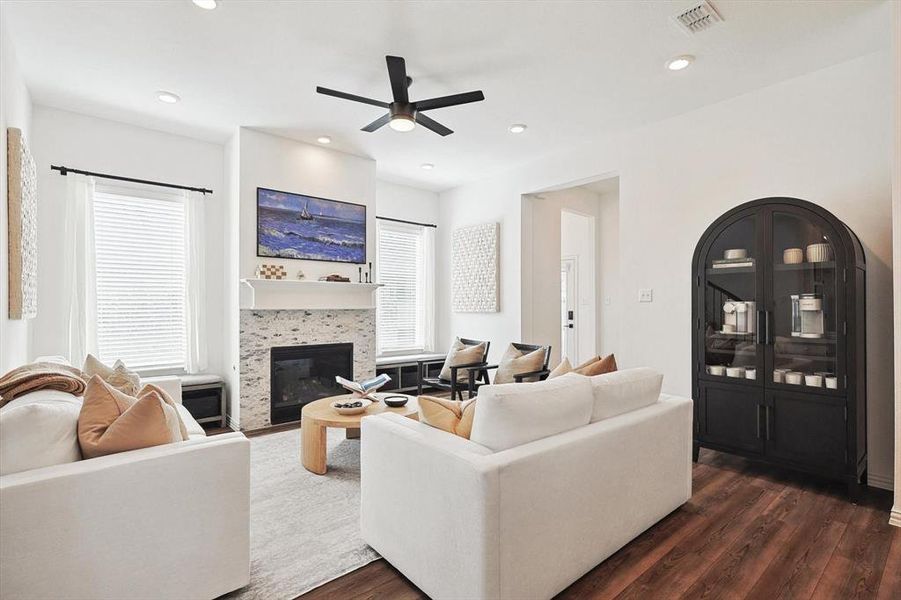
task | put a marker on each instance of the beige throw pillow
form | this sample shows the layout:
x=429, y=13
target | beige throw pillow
x=119, y=376
x=599, y=367
x=461, y=354
x=111, y=421
x=451, y=416
x=514, y=362
x=562, y=369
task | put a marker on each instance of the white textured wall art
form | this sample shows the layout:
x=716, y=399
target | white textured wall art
x=475, y=269
x=23, y=227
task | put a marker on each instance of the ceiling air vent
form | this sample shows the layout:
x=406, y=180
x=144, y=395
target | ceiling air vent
x=699, y=17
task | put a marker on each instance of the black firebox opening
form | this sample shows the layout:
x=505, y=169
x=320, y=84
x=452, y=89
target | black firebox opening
x=301, y=374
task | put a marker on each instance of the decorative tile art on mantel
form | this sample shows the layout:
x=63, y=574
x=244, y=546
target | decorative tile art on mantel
x=23, y=227
x=474, y=272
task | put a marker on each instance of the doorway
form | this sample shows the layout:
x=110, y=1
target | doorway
x=577, y=286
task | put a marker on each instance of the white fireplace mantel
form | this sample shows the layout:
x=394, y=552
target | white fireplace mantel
x=289, y=294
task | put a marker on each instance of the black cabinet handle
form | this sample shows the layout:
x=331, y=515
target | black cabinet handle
x=761, y=326
x=758, y=420
x=767, y=423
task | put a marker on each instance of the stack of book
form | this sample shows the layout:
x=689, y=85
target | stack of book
x=733, y=263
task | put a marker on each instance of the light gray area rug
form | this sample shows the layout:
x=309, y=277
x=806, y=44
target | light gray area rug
x=304, y=528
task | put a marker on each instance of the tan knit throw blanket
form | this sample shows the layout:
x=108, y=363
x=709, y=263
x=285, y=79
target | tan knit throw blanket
x=41, y=376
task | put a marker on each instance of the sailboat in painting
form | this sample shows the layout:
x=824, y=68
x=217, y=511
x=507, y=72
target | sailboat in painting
x=305, y=213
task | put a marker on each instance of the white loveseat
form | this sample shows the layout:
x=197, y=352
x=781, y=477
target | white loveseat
x=462, y=520
x=169, y=521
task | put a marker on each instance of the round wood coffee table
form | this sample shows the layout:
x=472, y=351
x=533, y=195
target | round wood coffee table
x=317, y=416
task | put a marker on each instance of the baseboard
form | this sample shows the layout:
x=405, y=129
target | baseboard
x=895, y=518
x=880, y=481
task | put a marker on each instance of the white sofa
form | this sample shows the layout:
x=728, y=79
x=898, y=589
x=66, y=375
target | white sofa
x=461, y=520
x=169, y=521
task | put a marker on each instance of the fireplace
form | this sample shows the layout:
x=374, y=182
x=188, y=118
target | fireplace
x=301, y=374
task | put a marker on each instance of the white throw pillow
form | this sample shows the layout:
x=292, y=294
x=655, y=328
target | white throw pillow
x=624, y=391
x=38, y=430
x=512, y=414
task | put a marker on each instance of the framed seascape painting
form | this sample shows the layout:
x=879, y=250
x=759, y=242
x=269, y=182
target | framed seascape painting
x=309, y=228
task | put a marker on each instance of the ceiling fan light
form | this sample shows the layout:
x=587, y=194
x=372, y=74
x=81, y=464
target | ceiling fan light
x=402, y=123
x=518, y=128
x=324, y=139
x=206, y=4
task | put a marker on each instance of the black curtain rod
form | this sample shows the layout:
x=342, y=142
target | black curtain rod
x=67, y=170
x=407, y=222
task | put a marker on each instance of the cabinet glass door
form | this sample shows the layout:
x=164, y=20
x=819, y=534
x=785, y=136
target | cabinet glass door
x=731, y=298
x=805, y=303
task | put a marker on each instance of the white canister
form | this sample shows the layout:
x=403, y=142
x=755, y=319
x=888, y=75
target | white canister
x=794, y=377
x=832, y=382
x=735, y=371
x=792, y=256
x=779, y=375
x=735, y=253
x=717, y=370
x=741, y=317
x=750, y=373
x=819, y=253
x=728, y=328
x=813, y=380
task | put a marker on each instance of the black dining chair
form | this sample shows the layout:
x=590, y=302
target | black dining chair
x=453, y=385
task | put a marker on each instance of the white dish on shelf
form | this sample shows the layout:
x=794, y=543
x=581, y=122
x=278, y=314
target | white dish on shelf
x=716, y=370
x=794, y=377
x=793, y=256
x=735, y=371
x=813, y=380
x=817, y=253
x=751, y=373
x=733, y=253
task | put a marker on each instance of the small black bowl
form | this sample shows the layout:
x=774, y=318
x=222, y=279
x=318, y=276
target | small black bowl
x=395, y=401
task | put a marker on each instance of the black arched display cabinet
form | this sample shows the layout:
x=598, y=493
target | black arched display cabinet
x=779, y=343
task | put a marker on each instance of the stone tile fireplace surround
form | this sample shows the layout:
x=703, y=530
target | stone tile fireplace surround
x=261, y=330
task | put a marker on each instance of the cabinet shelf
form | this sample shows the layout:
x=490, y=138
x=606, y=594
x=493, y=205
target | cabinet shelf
x=807, y=266
x=730, y=270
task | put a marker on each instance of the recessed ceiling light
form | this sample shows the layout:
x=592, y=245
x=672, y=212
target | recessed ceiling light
x=680, y=62
x=167, y=97
x=427, y=166
x=324, y=139
x=518, y=127
x=206, y=4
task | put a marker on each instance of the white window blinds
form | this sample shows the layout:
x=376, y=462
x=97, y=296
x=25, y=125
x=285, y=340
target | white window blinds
x=405, y=267
x=139, y=239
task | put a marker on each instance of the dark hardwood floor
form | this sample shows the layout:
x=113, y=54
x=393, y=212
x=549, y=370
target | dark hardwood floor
x=748, y=532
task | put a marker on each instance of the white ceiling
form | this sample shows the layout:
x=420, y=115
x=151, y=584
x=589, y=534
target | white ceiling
x=570, y=70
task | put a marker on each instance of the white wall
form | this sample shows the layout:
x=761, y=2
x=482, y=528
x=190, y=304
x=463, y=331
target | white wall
x=89, y=143
x=822, y=137
x=279, y=163
x=15, y=111
x=896, y=213
x=609, y=297
x=407, y=203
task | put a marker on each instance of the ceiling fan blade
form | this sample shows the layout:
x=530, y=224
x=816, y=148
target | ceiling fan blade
x=352, y=97
x=452, y=100
x=383, y=120
x=433, y=125
x=397, y=74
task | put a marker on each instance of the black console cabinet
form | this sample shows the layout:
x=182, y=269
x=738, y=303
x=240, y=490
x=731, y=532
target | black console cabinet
x=779, y=342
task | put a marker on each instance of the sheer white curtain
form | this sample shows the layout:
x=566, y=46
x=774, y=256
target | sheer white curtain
x=80, y=268
x=195, y=283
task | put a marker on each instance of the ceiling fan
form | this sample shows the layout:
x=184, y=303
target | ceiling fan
x=402, y=114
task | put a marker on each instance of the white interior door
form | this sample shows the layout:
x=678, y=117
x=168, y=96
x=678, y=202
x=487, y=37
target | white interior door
x=569, y=295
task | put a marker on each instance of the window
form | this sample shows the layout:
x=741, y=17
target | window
x=139, y=253
x=405, y=265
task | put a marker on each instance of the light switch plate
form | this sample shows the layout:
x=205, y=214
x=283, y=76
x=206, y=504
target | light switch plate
x=646, y=295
